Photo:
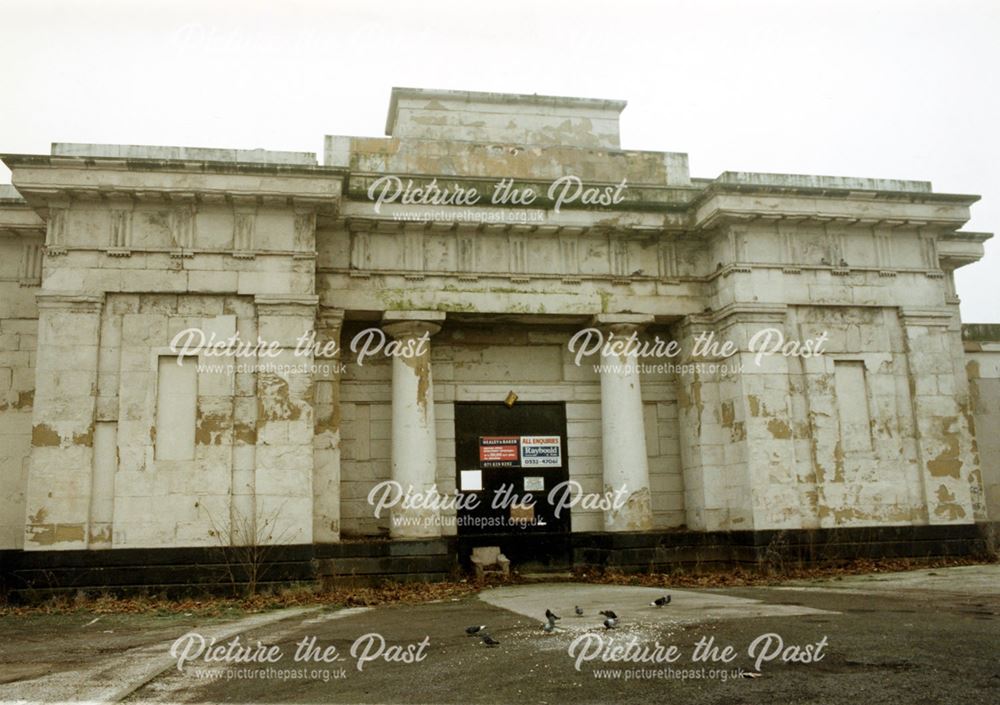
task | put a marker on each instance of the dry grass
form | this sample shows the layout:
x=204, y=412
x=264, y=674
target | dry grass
x=306, y=595
x=748, y=577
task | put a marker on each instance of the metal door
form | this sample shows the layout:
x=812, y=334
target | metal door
x=505, y=456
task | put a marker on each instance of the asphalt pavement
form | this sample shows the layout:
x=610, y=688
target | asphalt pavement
x=928, y=636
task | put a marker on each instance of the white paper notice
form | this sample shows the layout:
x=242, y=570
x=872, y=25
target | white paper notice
x=471, y=480
x=534, y=484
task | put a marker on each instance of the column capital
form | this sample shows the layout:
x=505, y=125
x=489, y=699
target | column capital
x=402, y=330
x=634, y=319
x=412, y=324
x=329, y=318
x=622, y=323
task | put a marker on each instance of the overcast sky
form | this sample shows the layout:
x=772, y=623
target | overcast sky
x=884, y=89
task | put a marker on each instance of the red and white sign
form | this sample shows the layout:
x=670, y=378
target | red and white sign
x=499, y=451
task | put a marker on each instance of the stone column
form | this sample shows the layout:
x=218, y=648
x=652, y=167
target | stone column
x=326, y=441
x=62, y=436
x=414, y=435
x=626, y=463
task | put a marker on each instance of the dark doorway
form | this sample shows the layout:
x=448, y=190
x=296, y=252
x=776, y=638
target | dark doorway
x=507, y=453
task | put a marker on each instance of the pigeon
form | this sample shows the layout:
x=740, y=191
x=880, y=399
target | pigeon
x=490, y=641
x=611, y=623
x=609, y=614
x=661, y=601
x=551, y=616
x=548, y=627
x=579, y=612
x=475, y=629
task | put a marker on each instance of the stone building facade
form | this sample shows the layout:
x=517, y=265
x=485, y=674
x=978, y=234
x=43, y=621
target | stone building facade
x=109, y=252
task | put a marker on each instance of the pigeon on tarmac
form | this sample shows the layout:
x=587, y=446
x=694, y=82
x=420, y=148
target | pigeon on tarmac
x=609, y=614
x=579, y=612
x=551, y=616
x=474, y=629
x=661, y=601
x=490, y=641
x=611, y=623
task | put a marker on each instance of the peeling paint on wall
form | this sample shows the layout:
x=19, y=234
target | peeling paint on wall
x=947, y=507
x=49, y=534
x=211, y=429
x=43, y=435
x=635, y=513
x=245, y=433
x=86, y=438
x=948, y=462
x=779, y=429
x=274, y=402
x=25, y=401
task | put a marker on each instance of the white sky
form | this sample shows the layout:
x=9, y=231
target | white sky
x=876, y=88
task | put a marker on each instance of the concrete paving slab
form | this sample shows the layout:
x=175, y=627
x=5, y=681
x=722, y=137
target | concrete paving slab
x=631, y=604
